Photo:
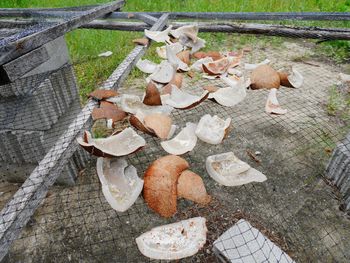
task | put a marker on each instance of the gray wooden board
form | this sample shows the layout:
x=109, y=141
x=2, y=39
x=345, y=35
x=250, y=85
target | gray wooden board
x=15, y=46
x=17, y=212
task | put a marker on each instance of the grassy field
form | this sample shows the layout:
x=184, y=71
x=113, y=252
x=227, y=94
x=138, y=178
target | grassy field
x=85, y=45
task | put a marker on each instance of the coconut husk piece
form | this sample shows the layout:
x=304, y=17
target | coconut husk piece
x=160, y=184
x=152, y=96
x=107, y=111
x=102, y=94
x=141, y=41
x=264, y=77
x=190, y=186
x=184, y=56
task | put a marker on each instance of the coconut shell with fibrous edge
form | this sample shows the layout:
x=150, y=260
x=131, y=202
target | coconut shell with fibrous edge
x=190, y=186
x=152, y=96
x=160, y=184
x=264, y=77
x=102, y=94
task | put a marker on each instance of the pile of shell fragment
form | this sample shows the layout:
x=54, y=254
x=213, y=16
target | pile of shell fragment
x=170, y=177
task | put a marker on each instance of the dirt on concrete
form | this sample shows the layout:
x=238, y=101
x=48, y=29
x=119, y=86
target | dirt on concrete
x=295, y=207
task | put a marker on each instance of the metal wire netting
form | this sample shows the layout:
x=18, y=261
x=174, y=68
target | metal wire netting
x=297, y=208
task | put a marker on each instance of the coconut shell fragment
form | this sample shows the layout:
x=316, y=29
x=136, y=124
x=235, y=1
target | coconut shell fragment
x=217, y=67
x=102, y=94
x=184, y=56
x=177, y=81
x=264, y=77
x=108, y=111
x=160, y=184
x=284, y=79
x=141, y=41
x=272, y=105
x=190, y=186
x=160, y=124
x=152, y=97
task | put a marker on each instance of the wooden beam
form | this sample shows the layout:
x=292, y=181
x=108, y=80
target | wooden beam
x=265, y=29
x=17, y=45
x=17, y=212
x=315, y=16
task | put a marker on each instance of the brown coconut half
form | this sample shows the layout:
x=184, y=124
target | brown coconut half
x=152, y=96
x=264, y=77
x=184, y=56
x=102, y=94
x=217, y=67
x=159, y=123
x=160, y=184
x=190, y=186
x=107, y=111
x=141, y=41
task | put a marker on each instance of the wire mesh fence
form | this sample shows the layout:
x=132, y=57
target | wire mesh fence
x=297, y=208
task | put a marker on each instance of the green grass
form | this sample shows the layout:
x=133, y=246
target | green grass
x=85, y=45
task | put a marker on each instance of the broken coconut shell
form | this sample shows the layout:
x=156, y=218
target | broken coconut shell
x=146, y=66
x=160, y=124
x=264, y=77
x=217, y=67
x=272, y=105
x=184, y=56
x=228, y=170
x=164, y=72
x=160, y=184
x=183, y=142
x=190, y=186
x=141, y=41
x=102, y=94
x=121, y=144
x=212, y=129
x=108, y=111
x=120, y=184
x=152, y=97
x=177, y=81
x=174, y=241
x=159, y=36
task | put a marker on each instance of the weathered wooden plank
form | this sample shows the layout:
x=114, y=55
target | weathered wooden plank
x=15, y=46
x=150, y=20
x=265, y=29
x=325, y=16
x=17, y=212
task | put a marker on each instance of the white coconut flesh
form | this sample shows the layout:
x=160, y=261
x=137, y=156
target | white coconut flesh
x=146, y=66
x=174, y=241
x=164, y=72
x=159, y=36
x=272, y=104
x=248, y=66
x=228, y=170
x=212, y=129
x=133, y=104
x=296, y=79
x=120, y=184
x=197, y=66
x=173, y=59
x=121, y=144
x=183, y=142
x=229, y=96
x=180, y=99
